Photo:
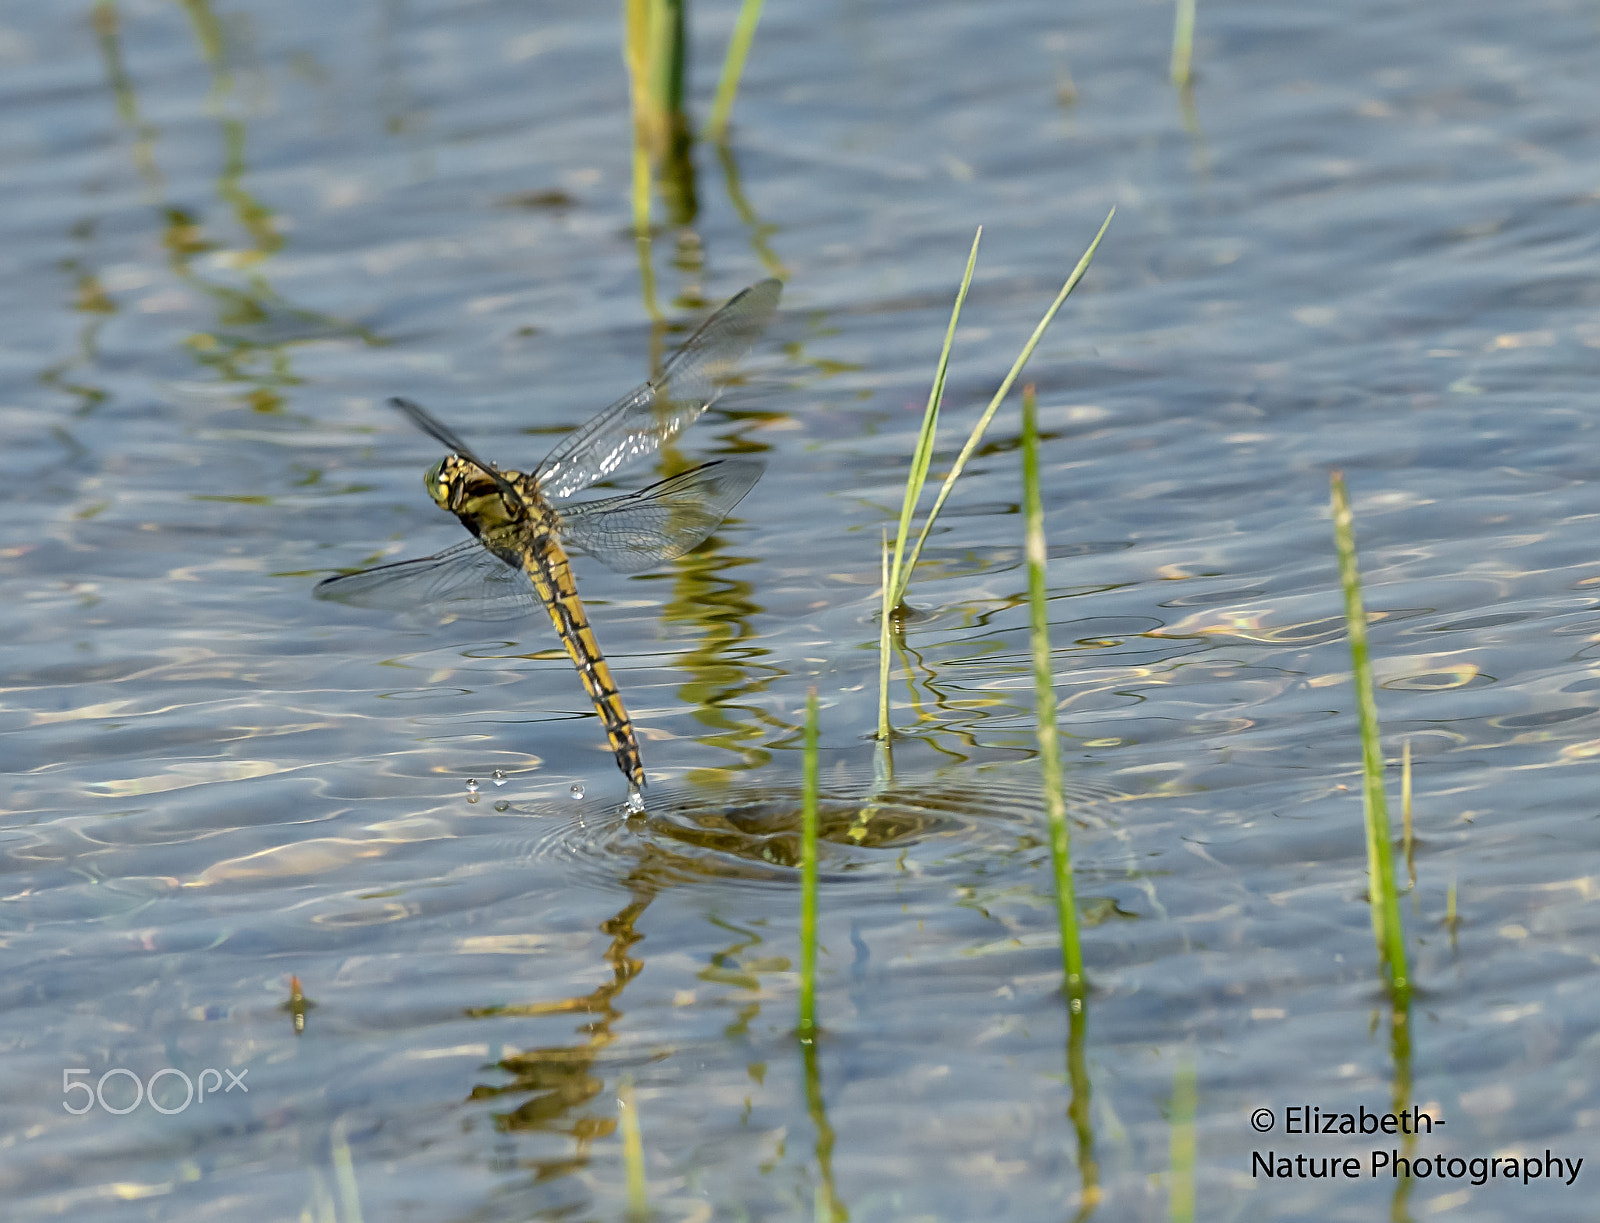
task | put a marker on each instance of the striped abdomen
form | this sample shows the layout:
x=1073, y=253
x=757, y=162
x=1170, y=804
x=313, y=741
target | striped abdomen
x=546, y=564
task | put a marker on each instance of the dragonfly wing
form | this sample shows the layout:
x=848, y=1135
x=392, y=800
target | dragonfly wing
x=437, y=429
x=466, y=582
x=655, y=524
x=639, y=422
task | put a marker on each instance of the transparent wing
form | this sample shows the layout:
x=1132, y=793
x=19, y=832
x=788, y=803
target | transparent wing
x=467, y=581
x=655, y=524
x=641, y=420
x=437, y=429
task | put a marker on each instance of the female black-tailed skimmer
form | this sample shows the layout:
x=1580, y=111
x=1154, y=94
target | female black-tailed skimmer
x=521, y=522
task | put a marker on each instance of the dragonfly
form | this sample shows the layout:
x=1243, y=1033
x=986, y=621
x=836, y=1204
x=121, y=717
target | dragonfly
x=523, y=524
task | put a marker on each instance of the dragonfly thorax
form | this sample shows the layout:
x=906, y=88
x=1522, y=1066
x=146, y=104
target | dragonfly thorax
x=470, y=493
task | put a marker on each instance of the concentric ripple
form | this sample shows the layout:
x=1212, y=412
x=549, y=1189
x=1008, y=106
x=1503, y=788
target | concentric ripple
x=751, y=834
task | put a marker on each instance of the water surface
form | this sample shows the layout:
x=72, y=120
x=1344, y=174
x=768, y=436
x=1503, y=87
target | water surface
x=1365, y=240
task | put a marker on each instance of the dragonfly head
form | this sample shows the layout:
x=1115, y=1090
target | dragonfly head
x=467, y=491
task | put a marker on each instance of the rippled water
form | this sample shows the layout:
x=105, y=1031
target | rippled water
x=1366, y=239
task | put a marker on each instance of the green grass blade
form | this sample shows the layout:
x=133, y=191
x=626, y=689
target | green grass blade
x=640, y=18
x=1044, y=690
x=744, y=32
x=885, y=617
x=1407, y=841
x=904, y=576
x=1385, y=903
x=808, y=876
x=632, y=1151
x=1182, y=42
x=922, y=456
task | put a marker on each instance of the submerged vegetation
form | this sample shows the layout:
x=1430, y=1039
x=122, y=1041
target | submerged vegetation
x=632, y=1151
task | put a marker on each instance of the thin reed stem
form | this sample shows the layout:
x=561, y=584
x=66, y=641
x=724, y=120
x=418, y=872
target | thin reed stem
x=1407, y=842
x=1385, y=903
x=1182, y=43
x=808, y=875
x=744, y=32
x=885, y=627
x=1044, y=691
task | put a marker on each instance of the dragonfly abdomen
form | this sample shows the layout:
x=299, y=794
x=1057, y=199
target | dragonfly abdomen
x=546, y=565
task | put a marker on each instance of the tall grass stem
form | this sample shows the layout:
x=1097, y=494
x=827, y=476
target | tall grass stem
x=1407, y=841
x=885, y=628
x=808, y=875
x=1385, y=903
x=1183, y=43
x=744, y=32
x=1044, y=692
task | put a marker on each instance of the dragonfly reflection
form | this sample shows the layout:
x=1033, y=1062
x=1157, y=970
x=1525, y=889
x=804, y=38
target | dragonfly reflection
x=522, y=523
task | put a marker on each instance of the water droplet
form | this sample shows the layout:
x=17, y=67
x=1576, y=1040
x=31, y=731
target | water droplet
x=499, y=778
x=576, y=791
x=502, y=805
x=635, y=802
x=472, y=798
x=472, y=785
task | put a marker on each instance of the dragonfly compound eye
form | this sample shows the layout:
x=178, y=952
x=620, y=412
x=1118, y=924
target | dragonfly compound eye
x=438, y=485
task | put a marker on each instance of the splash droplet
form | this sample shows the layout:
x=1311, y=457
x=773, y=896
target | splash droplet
x=635, y=802
x=472, y=785
x=576, y=791
x=502, y=805
x=499, y=778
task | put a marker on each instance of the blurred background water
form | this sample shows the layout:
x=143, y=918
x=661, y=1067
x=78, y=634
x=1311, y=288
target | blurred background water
x=1364, y=239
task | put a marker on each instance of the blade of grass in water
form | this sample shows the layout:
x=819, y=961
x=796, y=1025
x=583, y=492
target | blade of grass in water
x=1182, y=42
x=884, y=758
x=900, y=571
x=904, y=577
x=632, y=1151
x=922, y=456
x=637, y=55
x=1055, y=801
x=1180, y=1185
x=744, y=32
x=885, y=625
x=1385, y=903
x=654, y=52
x=808, y=876
x=1406, y=841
